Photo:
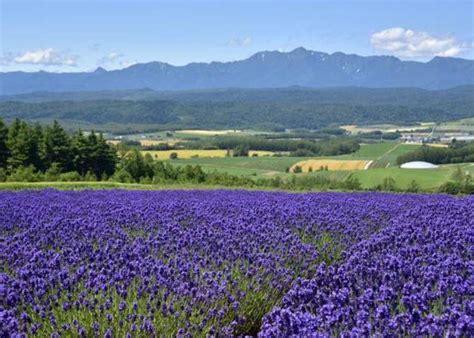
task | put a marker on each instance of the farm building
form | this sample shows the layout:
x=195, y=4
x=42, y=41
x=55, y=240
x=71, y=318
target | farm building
x=418, y=165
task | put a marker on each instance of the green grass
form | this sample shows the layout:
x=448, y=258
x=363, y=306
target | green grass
x=428, y=179
x=369, y=151
x=243, y=165
x=104, y=185
x=390, y=158
x=382, y=153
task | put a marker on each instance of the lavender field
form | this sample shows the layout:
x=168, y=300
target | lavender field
x=230, y=263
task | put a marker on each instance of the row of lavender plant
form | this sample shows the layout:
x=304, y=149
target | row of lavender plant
x=413, y=278
x=197, y=263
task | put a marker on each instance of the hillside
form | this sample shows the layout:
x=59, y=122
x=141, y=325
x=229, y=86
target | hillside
x=267, y=69
x=242, y=108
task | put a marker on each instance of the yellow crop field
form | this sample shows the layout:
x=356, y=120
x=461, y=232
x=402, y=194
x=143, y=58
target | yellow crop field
x=331, y=165
x=190, y=153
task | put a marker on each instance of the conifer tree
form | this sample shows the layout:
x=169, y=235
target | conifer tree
x=4, y=151
x=56, y=148
x=23, y=145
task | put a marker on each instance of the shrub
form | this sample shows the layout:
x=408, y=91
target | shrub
x=413, y=187
x=90, y=177
x=71, y=176
x=52, y=174
x=123, y=176
x=389, y=184
x=452, y=188
x=25, y=174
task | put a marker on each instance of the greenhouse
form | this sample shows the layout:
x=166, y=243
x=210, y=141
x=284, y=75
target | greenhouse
x=418, y=165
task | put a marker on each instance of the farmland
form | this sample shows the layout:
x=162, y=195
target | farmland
x=190, y=153
x=325, y=159
x=378, y=160
x=328, y=164
x=221, y=263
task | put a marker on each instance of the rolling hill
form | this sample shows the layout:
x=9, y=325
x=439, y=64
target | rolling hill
x=268, y=109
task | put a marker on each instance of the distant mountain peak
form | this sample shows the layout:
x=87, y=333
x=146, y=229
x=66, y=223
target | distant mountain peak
x=265, y=69
x=299, y=50
x=100, y=70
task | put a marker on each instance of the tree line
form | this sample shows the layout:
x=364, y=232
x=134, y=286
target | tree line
x=31, y=148
x=325, y=147
x=457, y=152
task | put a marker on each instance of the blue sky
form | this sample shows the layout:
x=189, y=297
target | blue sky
x=82, y=35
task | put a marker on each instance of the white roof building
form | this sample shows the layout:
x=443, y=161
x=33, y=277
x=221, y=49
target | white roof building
x=418, y=165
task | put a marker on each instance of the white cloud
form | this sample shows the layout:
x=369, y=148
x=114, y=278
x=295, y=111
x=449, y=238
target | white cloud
x=415, y=44
x=114, y=60
x=240, y=42
x=47, y=57
x=110, y=59
x=127, y=63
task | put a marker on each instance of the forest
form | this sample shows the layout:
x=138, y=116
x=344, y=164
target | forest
x=264, y=109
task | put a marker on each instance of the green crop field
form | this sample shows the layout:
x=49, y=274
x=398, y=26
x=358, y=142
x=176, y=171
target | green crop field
x=380, y=153
x=383, y=154
x=428, y=179
x=244, y=165
x=370, y=151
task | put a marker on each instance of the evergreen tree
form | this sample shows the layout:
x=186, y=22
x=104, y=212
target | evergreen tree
x=103, y=157
x=23, y=144
x=81, y=150
x=56, y=148
x=4, y=151
x=37, y=137
x=93, y=154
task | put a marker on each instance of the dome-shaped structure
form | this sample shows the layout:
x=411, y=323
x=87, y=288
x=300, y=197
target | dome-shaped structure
x=418, y=165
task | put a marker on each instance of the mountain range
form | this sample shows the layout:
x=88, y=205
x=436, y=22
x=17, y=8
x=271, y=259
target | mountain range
x=267, y=69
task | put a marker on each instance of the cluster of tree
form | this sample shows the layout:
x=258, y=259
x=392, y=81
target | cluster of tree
x=379, y=135
x=303, y=133
x=457, y=152
x=32, y=149
x=268, y=109
x=136, y=168
x=327, y=147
